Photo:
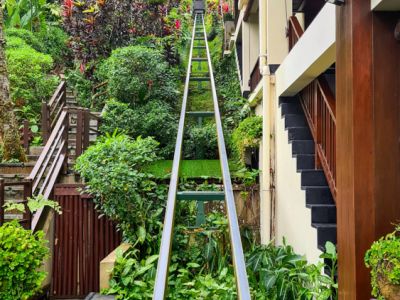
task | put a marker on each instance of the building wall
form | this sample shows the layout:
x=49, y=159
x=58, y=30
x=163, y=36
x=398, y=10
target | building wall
x=251, y=48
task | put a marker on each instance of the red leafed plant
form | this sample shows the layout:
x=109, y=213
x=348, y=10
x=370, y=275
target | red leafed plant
x=68, y=6
x=178, y=24
x=225, y=8
x=97, y=27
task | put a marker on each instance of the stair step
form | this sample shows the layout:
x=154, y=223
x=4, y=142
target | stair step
x=36, y=150
x=323, y=213
x=299, y=133
x=32, y=158
x=302, y=147
x=313, y=178
x=199, y=47
x=318, y=195
x=305, y=161
x=293, y=108
x=288, y=99
x=295, y=121
x=325, y=233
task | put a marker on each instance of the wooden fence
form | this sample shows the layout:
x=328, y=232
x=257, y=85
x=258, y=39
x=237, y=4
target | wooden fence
x=82, y=240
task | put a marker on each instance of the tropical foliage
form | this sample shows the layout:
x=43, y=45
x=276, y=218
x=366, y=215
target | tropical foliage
x=21, y=255
x=138, y=74
x=29, y=80
x=247, y=135
x=113, y=171
x=383, y=258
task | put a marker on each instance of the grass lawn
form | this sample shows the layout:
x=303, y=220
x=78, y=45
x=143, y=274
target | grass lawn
x=189, y=168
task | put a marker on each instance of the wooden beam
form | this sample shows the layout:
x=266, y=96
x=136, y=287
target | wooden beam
x=368, y=131
x=248, y=10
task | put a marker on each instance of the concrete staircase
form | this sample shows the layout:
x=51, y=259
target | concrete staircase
x=318, y=195
x=17, y=173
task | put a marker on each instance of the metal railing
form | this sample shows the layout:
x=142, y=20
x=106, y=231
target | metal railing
x=319, y=106
x=160, y=288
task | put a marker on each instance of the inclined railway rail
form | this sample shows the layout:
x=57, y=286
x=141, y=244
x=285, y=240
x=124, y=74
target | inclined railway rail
x=199, y=43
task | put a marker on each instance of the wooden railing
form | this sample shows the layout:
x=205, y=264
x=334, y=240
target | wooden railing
x=26, y=135
x=85, y=132
x=255, y=77
x=57, y=152
x=52, y=110
x=295, y=31
x=319, y=106
x=51, y=162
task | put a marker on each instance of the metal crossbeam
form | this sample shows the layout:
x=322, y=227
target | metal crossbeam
x=199, y=78
x=200, y=114
x=200, y=196
x=199, y=59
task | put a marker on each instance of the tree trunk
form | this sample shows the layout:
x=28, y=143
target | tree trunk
x=9, y=132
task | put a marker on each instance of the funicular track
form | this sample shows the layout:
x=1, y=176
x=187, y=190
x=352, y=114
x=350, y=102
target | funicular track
x=199, y=41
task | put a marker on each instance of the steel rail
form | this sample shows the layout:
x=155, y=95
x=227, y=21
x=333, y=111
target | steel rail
x=239, y=264
x=160, y=286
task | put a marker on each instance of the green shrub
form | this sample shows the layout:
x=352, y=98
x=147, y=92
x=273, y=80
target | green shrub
x=21, y=255
x=133, y=278
x=29, y=80
x=247, y=135
x=201, y=142
x=14, y=42
x=54, y=42
x=113, y=170
x=383, y=258
x=277, y=272
x=26, y=35
x=138, y=74
x=83, y=88
x=154, y=119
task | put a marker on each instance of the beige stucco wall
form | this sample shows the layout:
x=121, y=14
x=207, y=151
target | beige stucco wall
x=251, y=48
x=293, y=218
x=277, y=45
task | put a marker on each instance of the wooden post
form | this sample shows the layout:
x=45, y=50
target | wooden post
x=317, y=98
x=27, y=194
x=45, y=122
x=65, y=139
x=2, y=201
x=79, y=133
x=86, y=129
x=64, y=91
x=368, y=133
x=26, y=136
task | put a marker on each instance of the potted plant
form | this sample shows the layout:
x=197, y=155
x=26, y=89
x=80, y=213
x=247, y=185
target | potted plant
x=229, y=25
x=383, y=258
